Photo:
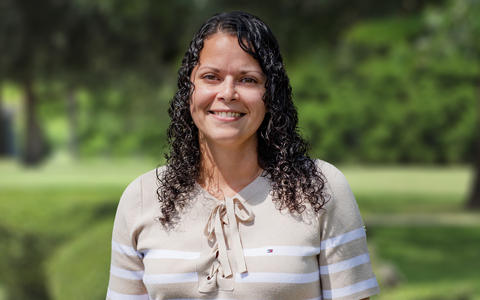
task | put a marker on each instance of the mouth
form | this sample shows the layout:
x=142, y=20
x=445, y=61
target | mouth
x=228, y=114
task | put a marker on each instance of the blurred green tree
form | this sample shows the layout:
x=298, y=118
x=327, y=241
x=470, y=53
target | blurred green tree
x=3, y=135
x=373, y=81
x=81, y=43
x=382, y=98
x=454, y=35
x=95, y=46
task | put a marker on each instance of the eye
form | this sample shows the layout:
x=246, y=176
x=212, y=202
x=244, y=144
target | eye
x=249, y=80
x=210, y=77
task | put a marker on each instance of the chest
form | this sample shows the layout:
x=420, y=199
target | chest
x=272, y=256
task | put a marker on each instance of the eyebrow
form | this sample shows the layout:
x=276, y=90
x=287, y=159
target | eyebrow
x=241, y=72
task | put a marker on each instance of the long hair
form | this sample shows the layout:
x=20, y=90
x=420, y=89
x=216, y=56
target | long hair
x=282, y=152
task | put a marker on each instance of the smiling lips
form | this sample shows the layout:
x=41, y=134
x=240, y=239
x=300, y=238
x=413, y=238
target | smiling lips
x=227, y=114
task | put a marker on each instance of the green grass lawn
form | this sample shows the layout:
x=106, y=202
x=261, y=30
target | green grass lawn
x=415, y=218
x=46, y=209
x=27, y=196
x=437, y=262
x=409, y=189
x=416, y=222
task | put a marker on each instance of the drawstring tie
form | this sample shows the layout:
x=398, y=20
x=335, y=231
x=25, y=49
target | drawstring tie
x=227, y=212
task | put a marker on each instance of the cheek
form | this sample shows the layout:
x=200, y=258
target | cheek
x=257, y=102
x=201, y=97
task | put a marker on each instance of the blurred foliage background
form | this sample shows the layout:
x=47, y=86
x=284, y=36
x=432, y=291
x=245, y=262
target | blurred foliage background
x=387, y=89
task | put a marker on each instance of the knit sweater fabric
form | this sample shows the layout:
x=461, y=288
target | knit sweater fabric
x=240, y=248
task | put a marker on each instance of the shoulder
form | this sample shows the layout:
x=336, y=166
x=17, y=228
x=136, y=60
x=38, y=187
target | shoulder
x=131, y=208
x=137, y=197
x=143, y=188
x=334, y=177
x=340, y=194
x=147, y=180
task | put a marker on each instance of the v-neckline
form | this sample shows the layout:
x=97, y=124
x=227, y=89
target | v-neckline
x=244, y=194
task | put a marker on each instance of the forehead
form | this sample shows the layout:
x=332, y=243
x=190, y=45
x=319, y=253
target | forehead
x=223, y=49
x=221, y=43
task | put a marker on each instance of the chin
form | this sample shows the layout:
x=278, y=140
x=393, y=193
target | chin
x=229, y=141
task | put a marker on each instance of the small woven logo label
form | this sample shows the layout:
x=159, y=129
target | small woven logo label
x=269, y=250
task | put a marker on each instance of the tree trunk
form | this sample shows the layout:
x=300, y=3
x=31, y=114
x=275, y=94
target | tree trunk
x=72, y=116
x=474, y=201
x=34, y=147
x=3, y=129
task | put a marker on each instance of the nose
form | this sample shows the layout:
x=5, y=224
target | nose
x=227, y=90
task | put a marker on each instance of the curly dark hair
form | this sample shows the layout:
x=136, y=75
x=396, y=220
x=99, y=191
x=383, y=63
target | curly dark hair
x=282, y=152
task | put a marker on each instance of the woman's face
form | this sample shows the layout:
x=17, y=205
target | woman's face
x=227, y=105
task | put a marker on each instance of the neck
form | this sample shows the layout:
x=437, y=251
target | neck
x=225, y=172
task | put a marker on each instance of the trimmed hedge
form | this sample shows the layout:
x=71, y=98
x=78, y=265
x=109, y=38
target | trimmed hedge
x=31, y=231
x=80, y=269
x=41, y=210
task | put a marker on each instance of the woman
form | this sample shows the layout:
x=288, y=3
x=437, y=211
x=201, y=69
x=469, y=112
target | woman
x=240, y=211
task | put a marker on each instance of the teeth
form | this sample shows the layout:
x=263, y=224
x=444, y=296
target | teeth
x=227, y=114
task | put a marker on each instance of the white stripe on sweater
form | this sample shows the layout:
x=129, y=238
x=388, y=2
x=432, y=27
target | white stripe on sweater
x=170, y=278
x=342, y=239
x=175, y=254
x=344, y=265
x=117, y=296
x=240, y=278
x=125, y=249
x=282, y=250
x=351, y=289
x=277, y=277
x=137, y=275
x=318, y=298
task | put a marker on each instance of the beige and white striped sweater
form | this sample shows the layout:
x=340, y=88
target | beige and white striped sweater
x=240, y=248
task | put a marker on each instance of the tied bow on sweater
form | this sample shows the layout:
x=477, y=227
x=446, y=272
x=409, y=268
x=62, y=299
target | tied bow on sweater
x=227, y=212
